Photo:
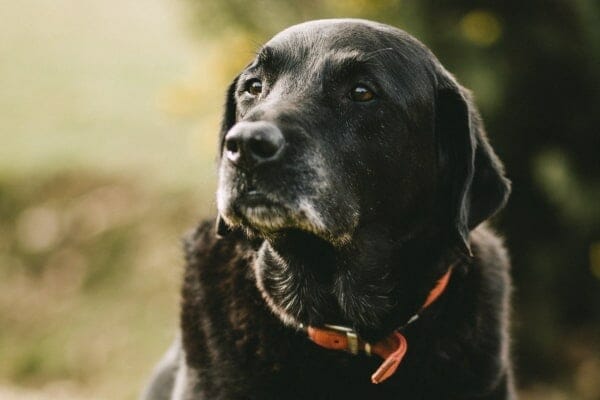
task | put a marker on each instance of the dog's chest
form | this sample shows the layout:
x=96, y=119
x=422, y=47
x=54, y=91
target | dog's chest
x=238, y=349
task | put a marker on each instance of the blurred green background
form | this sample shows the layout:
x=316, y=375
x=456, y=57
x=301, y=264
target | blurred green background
x=108, y=123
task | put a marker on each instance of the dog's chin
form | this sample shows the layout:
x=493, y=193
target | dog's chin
x=272, y=219
x=261, y=216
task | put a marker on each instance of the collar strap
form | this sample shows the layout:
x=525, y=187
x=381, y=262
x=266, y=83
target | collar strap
x=391, y=348
x=438, y=289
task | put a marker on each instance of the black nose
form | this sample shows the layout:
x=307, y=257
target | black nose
x=249, y=144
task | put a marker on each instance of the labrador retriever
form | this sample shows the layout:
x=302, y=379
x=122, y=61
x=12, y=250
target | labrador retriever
x=350, y=259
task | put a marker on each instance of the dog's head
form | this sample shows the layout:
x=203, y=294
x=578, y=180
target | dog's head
x=342, y=142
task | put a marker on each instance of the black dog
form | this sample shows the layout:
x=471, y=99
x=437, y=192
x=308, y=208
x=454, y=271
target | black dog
x=354, y=176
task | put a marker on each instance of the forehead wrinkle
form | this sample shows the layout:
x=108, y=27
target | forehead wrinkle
x=356, y=55
x=282, y=57
x=264, y=55
x=353, y=60
x=348, y=58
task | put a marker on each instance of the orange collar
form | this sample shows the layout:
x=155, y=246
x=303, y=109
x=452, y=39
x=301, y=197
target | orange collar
x=392, y=348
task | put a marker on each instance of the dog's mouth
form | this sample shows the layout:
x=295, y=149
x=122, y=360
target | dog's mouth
x=268, y=215
x=264, y=205
x=262, y=213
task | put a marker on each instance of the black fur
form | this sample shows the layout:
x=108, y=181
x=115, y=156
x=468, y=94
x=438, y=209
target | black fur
x=368, y=205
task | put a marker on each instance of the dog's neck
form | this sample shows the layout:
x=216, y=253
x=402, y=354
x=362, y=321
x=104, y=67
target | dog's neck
x=371, y=289
x=358, y=274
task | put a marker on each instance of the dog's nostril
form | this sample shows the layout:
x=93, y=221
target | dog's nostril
x=231, y=146
x=263, y=148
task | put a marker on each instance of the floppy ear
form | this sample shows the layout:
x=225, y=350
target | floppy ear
x=472, y=175
x=229, y=119
x=229, y=115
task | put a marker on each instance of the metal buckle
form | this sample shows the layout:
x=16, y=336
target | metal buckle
x=338, y=328
x=352, y=342
x=350, y=335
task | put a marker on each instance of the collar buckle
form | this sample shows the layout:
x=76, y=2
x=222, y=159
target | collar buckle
x=351, y=336
x=392, y=348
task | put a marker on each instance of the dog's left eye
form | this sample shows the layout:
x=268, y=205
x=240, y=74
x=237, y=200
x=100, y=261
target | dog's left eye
x=254, y=87
x=361, y=93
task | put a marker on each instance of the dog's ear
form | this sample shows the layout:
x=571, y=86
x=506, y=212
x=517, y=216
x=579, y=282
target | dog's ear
x=472, y=175
x=229, y=115
x=228, y=120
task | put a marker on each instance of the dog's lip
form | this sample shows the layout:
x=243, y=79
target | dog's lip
x=254, y=198
x=255, y=201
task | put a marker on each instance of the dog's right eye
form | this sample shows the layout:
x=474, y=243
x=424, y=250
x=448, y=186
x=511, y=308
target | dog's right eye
x=361, y=93
x=254, y=87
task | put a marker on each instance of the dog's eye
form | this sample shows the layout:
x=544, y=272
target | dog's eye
x=361, y=93
x=254, y=87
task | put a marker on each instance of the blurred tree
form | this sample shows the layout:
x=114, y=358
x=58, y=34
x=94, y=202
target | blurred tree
x=534, y=67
